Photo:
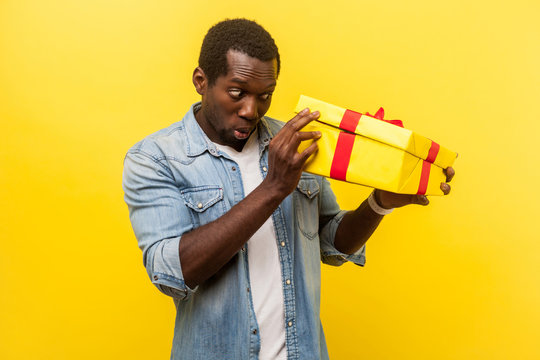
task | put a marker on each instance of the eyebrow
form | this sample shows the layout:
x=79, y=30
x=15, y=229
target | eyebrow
x=239, y=81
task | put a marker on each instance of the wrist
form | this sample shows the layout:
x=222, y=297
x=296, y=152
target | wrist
x=377, y=195
x=374, y=202
x=272, y=191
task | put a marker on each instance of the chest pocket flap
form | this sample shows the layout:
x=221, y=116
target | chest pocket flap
x=202, y=197
x=308, y=187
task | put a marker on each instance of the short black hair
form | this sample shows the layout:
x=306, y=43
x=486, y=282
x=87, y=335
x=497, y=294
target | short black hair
x=242, y=35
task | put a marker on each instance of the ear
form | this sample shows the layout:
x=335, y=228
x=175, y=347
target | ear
x=200, y=80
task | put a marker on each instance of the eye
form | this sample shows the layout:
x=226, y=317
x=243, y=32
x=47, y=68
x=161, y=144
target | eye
x=266, y=96
x=236, y=93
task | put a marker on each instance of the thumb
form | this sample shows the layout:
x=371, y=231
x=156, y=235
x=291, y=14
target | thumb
x=421, y=200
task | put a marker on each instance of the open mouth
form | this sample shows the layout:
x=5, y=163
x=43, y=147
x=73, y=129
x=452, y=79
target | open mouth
x=242, y=133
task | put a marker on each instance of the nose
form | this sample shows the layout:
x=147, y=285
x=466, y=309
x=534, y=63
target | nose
x=249, y=109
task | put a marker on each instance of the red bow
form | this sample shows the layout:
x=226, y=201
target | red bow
x=380, y=115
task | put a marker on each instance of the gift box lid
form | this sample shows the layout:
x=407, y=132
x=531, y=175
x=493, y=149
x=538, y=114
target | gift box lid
x=378, y=129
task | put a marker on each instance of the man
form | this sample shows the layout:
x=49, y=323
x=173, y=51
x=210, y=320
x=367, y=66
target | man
x=228, y=223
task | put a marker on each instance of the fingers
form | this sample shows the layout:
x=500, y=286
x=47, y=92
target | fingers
x=303, y=118
x=310, y=150
x=307, y=135
x=449, y=172
x=445, y=188
x=290, y=134
x=421, y=200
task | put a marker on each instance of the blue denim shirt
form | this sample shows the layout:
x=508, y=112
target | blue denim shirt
x=177, y=180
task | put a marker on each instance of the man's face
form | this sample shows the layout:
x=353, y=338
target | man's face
x=232, y=107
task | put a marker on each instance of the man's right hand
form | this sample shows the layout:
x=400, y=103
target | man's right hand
x=285, y=163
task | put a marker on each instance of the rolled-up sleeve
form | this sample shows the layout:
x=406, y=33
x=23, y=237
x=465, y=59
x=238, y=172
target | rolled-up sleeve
x=159, y=218
x=329, y=208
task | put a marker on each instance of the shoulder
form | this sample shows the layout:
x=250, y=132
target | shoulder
x=162, y=144
x=153, y=153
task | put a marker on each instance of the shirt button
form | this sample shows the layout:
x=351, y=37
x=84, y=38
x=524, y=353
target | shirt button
x=155, y=277
x=199, y=205
x=254, y=331
x=265, y=169
x=288, y=282
x=233, y=168
x=247, y=289
x=282, y=243
x=309, y=192
x=243, y=248
x=290, y=323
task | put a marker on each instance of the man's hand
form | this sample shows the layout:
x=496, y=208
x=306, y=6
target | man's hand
x=285, y=164
x=390, y=200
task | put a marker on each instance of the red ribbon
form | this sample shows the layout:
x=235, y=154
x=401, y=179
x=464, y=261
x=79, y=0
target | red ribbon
x=426, y=167
x=424, y=178
x=349, y=121
x=342, y=156
x=433, y=151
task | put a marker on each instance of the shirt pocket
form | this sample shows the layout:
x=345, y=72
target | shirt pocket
x=306, y=204
x=205, y=203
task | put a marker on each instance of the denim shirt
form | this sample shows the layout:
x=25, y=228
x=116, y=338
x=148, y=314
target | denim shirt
x=176, y=180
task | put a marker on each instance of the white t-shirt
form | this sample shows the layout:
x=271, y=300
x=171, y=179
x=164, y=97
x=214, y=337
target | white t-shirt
x=263, y=260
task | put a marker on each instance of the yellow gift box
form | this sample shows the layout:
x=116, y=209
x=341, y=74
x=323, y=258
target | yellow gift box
x=364, y=149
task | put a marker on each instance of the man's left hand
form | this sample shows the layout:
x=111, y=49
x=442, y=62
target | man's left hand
x=390, y=200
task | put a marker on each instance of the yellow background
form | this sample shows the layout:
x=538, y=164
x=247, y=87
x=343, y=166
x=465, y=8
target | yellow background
x=82, y=81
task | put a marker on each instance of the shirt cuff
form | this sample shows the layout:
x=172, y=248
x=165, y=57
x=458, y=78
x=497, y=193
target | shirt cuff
x=332, y=256
x=165, y=270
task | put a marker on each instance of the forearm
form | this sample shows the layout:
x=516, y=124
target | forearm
x=356, y=228
x=206, y=249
